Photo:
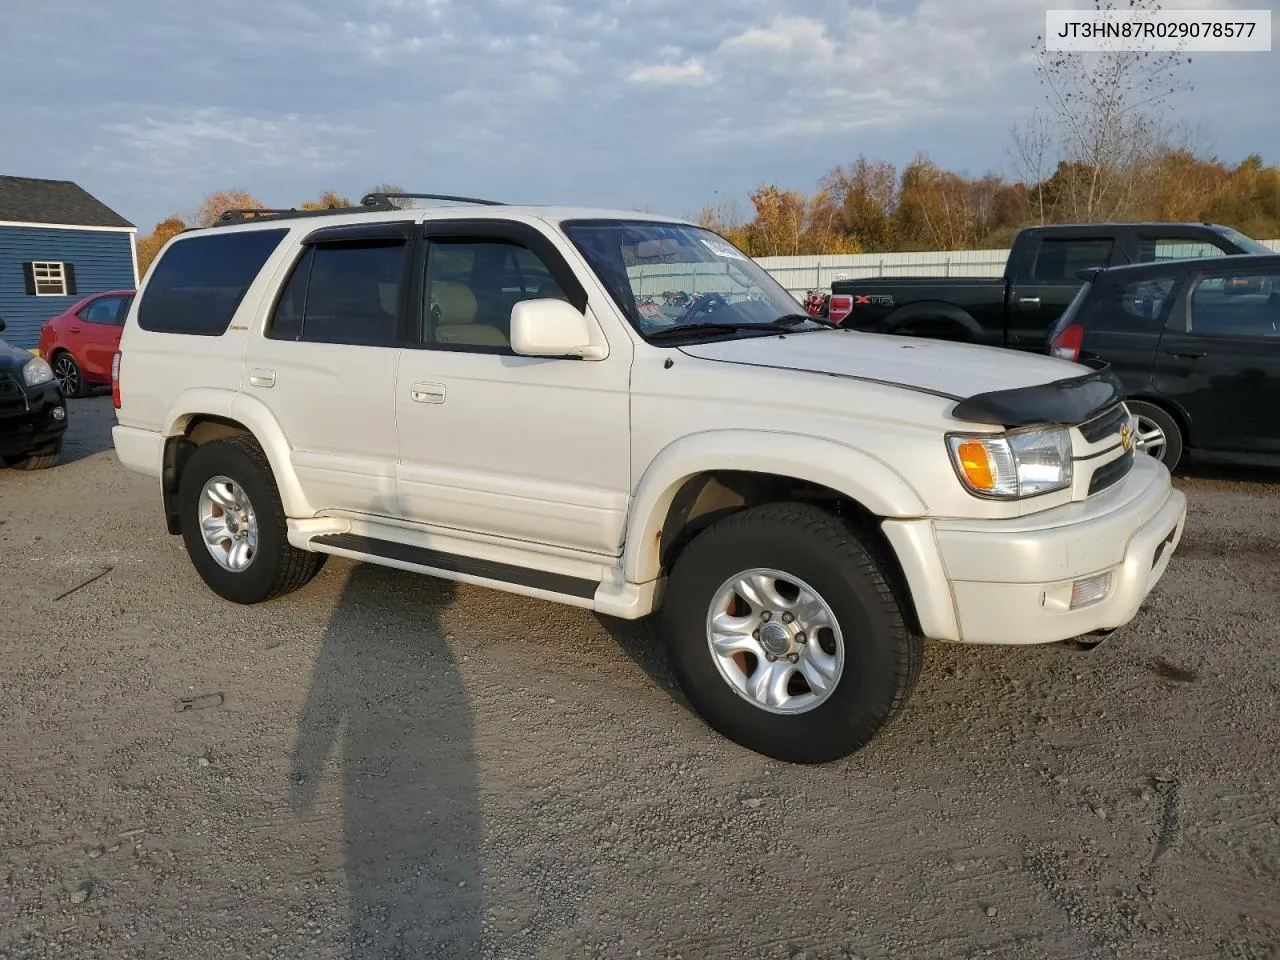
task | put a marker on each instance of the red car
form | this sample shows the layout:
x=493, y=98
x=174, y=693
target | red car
x=80, y=342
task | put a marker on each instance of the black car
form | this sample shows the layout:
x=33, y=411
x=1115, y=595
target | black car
x=1196, y=344
x=33, y=413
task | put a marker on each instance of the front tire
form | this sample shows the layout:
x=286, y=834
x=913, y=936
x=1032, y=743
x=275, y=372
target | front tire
x=36, y=461
x=233, y=524
x=802, y=609
x=1158, y=434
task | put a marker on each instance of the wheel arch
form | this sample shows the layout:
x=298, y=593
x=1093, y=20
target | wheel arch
x=937, y=311
x=703, y=477
x=203, y=415
x=1173, y=409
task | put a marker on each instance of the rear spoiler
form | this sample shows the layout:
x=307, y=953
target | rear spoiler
x=1072, y=401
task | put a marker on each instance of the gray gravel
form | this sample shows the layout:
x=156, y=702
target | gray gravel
x=399, y=767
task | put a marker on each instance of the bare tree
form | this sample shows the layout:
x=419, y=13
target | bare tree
x=1033, y=145
x=1109, y=113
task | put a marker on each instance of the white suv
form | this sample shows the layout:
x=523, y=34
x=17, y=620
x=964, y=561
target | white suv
x=624, y=413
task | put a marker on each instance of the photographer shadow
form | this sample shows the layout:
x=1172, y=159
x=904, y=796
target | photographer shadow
x=388, y=703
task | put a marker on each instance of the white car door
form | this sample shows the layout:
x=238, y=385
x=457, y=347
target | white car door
x=528, y=448
x=326, y=363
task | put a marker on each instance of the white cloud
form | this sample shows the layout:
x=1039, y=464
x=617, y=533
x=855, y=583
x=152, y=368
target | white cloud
x=691, y=73
x=160, y=143
x=784, y=35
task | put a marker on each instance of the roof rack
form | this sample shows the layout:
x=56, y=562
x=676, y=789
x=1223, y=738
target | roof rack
x=370, y=201
x=382, y=200
x=246, y=214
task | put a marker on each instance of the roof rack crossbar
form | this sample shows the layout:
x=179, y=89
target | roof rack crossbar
x=381, y=199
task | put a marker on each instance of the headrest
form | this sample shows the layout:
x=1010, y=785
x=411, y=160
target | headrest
x=456, y=302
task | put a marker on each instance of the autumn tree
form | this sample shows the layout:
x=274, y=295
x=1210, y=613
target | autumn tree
x=866, y=195
x=151, y=244
x=329, y=199
x=216, y=204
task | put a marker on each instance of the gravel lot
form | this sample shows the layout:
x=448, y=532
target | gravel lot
x=404, y=768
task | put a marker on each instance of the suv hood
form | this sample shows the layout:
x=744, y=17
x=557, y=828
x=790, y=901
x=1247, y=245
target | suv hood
x=951, y=370
x=990, y=385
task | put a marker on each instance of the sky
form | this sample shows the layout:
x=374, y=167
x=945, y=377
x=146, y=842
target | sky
x=658, y=105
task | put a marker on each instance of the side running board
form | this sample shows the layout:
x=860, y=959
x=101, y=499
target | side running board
x=444, y=564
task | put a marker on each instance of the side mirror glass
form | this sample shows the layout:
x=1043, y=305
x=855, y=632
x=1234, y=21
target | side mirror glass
x=552, y=328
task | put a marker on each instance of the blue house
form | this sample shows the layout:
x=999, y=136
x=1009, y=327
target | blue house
x=57, y=245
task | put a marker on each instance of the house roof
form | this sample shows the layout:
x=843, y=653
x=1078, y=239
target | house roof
x=28, y=200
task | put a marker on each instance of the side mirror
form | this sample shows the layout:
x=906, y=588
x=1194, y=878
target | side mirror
x=552, y=328
x=1, y=323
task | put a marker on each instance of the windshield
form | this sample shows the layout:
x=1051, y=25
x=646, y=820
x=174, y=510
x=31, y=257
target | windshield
x=670, y=276
x=1247, y=244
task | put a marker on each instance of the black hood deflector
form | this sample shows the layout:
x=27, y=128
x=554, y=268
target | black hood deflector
x=1069, y=402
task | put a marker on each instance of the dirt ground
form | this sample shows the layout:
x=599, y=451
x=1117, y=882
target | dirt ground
x=399, y=767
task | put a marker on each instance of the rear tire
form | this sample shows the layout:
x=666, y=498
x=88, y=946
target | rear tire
x=69, y=375
x=36, y=461
x=1164, y=439
x=273, y=567
x=870, y=648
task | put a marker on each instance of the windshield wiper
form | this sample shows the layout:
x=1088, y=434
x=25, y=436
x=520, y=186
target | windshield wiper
x=689, y=329
x=783, y=323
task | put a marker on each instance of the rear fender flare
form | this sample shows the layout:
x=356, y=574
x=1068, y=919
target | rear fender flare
x=932, y=310
x=258, y=420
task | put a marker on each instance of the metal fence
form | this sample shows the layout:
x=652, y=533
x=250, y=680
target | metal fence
x=801, y=274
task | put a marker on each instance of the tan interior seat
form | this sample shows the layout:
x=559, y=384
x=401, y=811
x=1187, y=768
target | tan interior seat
x=456, y=307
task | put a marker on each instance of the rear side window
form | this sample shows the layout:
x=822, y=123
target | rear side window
x=198, y=284
x=1136, y=305
x=343, y=292
x=102, y=311
x=1059, y=261
x=1242, y=305
x=1174, y=248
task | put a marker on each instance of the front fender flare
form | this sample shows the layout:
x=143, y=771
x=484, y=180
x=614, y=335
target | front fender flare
x=847, y=470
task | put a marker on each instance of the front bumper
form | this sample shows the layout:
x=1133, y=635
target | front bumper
x=1010, y=581
x=27, y=421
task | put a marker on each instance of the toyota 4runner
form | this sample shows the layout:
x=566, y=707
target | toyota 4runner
x=624, y=413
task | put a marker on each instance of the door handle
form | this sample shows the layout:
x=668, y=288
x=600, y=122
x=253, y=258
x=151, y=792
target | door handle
x=262, y=378
x=427, y=392
x=75, y=329
x=1029, y=301
x=1187, y=354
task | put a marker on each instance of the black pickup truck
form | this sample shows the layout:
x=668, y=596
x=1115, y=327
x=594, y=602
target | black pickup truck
x=1040, y=280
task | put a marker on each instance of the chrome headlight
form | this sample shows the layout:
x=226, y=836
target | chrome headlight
x=36, y=372
x=1010, y=466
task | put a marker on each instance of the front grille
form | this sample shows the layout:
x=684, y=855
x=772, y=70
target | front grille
x=1111, y=474
x=11, y=396
x=1106, y=424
